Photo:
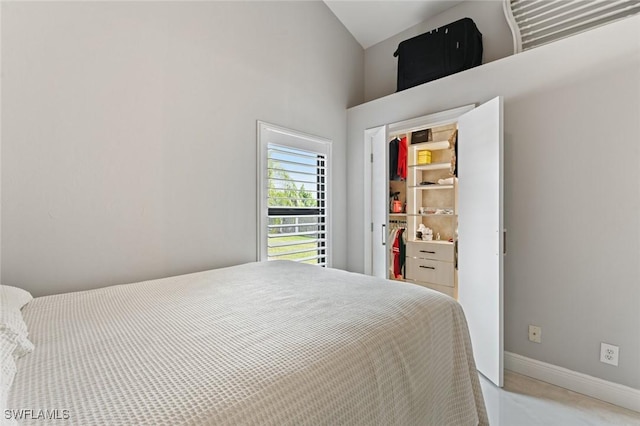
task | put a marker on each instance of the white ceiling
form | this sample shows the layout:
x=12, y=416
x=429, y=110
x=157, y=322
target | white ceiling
x=370, y=22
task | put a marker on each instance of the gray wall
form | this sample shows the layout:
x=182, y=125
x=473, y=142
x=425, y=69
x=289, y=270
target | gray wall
x=381, y=67
x=129, y=131
x=572, y=191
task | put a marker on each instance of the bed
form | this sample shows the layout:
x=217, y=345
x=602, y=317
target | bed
x=277, y=343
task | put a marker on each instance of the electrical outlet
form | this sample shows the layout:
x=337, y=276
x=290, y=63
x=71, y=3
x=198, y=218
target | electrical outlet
x=535, y=333
x=609, y=354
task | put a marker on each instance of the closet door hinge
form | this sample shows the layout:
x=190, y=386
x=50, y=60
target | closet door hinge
x=372, y=157
x=371, y=226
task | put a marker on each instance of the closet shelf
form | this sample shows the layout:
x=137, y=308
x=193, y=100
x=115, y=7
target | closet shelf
x=431, y=146
x=432, y=166
x=398, y=214
x=436, y=186
x=432, y=214
x=433, y=242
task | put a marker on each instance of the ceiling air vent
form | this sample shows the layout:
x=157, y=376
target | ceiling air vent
x=538, y=22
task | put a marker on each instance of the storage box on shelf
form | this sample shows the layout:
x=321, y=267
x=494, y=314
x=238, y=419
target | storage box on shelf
x=424, y=157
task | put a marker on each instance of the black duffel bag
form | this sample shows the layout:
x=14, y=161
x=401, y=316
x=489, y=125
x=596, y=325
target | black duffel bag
x=449, y=49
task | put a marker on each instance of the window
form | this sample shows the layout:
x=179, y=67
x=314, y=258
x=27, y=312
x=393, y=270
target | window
x=293, y=205
x=534, y=22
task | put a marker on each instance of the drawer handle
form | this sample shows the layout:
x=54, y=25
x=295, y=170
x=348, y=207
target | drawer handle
x=428, y=267
x=427, y=251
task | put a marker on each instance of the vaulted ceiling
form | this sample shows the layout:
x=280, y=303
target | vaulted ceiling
x=370, y=22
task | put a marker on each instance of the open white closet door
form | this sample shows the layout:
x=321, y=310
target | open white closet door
x=379, y=201
x=480, y=234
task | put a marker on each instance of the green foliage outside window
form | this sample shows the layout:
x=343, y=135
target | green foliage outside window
x=284, y=192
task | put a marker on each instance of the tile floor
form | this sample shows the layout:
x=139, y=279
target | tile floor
x=527, y=402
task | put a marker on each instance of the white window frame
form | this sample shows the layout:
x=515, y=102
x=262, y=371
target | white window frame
x=273, y=134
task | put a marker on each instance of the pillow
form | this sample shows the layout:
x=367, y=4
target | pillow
x=14, y=297
x=12, y=325
x=23, y=346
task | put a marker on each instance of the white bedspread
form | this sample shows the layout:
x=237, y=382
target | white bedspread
x=266, y=343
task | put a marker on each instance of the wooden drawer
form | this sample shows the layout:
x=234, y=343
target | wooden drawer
x=430, y=271
x=430, y=250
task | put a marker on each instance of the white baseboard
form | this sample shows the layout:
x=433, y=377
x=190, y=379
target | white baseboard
x=604, y=390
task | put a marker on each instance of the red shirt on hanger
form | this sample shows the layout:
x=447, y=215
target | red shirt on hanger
x=402, y=158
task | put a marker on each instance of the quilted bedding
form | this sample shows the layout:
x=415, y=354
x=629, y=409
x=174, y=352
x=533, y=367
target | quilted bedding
x=277, y=343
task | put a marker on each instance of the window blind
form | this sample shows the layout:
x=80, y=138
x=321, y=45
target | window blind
x=296, y=227
x=538, y=22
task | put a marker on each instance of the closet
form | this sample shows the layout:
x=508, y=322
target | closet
x=428, y=196
x=449, y=204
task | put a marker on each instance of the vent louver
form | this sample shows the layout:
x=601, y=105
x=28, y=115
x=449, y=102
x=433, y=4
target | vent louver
x=538, y=22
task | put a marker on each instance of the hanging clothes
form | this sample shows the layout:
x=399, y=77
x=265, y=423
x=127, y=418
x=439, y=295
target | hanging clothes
x=398, y=254
x=402, y=158
x=393, y=159
x=393, y=232
x=453, y=144
x=403, y=251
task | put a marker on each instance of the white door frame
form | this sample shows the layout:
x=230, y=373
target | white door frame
x=405, y=126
